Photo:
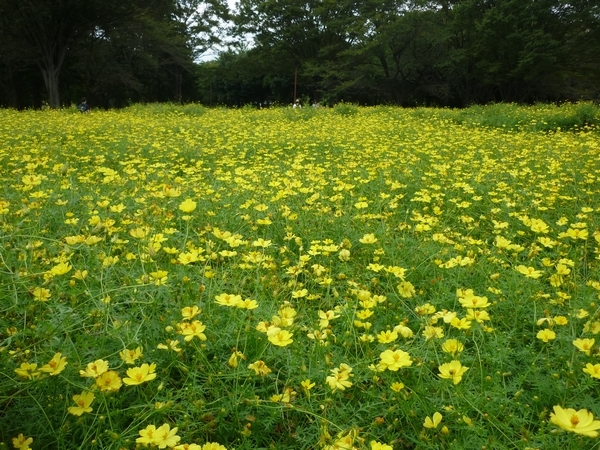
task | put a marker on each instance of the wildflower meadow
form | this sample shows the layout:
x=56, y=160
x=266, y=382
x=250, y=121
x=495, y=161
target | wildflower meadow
x=342, y=278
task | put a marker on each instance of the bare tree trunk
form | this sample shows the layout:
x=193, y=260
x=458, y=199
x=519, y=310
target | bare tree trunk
x=51, y=81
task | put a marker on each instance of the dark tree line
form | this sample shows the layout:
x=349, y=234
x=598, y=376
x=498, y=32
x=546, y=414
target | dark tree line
x=112, y=51
x=407, y=52
x=412, y=52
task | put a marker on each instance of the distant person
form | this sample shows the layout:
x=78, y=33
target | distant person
x=83, y=106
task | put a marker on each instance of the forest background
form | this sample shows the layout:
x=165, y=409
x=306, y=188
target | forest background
x=404, y=52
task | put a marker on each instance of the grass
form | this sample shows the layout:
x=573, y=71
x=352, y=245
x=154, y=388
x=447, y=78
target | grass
x=288, y=279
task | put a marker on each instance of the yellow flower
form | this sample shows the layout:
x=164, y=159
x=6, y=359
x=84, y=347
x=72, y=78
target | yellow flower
x=397, y=386
x=148, y=436
x=452, y=346
x=546, y=335
x=529, y=272
x=109, y=381
x=41, y=294
x=307, y=385
x=228, y=299
x=453, y=370
x=130, y=356
x=164, y=436
x=61, y=269
x=83, y=400
x=191, y=330
x=406, y=289
x=344, y=255
x=213, y=446
x=469, y=300
x=260, y=368
x=433, y=422
x=584, y=345
x=279, y=337
x=248, y=304
x=56, y=365
x=189, y=312
x=22, y=442
x=187, y=206
x=593, y=370
x=461, y=324
x=385, y=337
x=433, y=332
x=159, y=277
x=395, y=359
x=233, y=359
x=139, y=375
x=379, y=446
x=28, y=370
x=368, y=239
x=340, y=378
x=94, y=369
x=580, y=422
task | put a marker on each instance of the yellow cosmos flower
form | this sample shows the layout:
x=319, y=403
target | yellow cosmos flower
x=344, y=255
x=406, y=289
x=22, y=442
x=433, y=422
x=307, y=385
x=584, y=345
x=385, y=337
x=189, y=312
x=397, y=386
x=56, y=365
x=379, y=446
x=41, y=294
x=453, y=370
x=529, y=272
x=580, y=422
x=469, y=300
x=368, y=239
x=340, y=378
x=546, y=335
x=260, y=368
x=61, y=269
x=130, y=356
x=191, y=330
x=234, y=358
x=228, y=299
x=159, y=277
x=187, y=206
x=165, y=437
x=139, y=375
x=461, y=324
x=452, y=346
x=28, y=370
x=433, y=332
x=213, y=446
x=395, y=359
x=109, y=381
x=593, y=370
x=94, y=369
x=279, y=337
x=147, y=436
x=83, y=400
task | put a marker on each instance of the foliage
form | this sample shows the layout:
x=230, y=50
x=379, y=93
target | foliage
x=385, y=278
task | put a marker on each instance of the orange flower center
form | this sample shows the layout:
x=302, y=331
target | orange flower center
x=574, y=420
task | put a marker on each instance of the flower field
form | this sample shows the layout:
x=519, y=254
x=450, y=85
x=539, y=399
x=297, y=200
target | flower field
x=369, y=278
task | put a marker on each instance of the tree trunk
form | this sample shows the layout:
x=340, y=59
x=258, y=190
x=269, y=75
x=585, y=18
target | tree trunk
x=51, y=82
x=50, y=65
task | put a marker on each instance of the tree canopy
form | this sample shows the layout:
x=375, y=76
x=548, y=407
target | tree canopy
x=407, y=52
